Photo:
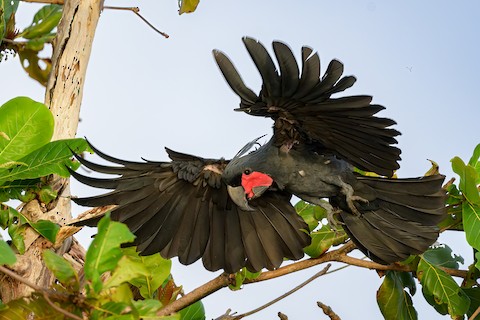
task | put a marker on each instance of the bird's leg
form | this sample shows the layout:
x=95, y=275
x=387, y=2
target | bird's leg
x=348, y=191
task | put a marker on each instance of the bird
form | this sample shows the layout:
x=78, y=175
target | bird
x=237, y=213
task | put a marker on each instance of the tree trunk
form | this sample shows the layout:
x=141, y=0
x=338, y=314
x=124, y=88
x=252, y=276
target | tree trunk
x=63, y=96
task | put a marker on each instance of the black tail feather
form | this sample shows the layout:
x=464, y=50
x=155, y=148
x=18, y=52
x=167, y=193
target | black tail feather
x=401, y=221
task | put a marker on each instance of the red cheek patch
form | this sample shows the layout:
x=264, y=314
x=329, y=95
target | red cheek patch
x=255, y=179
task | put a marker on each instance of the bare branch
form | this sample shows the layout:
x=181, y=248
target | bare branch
x=338, y=255
x=136, y=10
x=15, y=276
x=301, y=285
x=328, y=311
x=62, y=311
x=282, y=316
x=37, y=288
x=475, y=314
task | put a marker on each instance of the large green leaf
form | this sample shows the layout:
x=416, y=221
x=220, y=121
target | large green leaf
x=104, y=252
x=474, y=295
x=52, y=158
x=323, y=235
x=46, y=229
x=6, y=253
x=16, y=189
x=310, y=213
x=44, y=21
x=471, y=223
x=323, y=239
x=442, y=256
x=394, y=302
x=468, y=180
x=442, y=287
x=157, y=270
x=25, y=125
x=195, y=311
x=473, y=162
x=61, y=269
x=148, y=308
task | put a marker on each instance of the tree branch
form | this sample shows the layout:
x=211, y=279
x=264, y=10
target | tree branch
x=338, y=255
x=286, y=294
x=328, y=311
x=37, y=288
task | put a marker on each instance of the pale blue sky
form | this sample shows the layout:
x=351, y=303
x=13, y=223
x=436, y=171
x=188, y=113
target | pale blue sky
x=420, y=59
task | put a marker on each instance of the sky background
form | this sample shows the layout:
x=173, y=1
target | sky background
x=419, y=59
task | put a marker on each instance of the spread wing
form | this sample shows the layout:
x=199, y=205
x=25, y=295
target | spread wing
x=182, y=208
x=304, y=112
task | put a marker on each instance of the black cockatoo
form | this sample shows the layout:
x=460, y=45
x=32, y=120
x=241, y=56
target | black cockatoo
x=237, y=213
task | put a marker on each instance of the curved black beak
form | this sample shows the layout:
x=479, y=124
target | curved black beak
x=238, y=196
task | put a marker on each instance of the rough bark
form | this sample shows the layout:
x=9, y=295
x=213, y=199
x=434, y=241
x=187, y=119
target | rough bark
x=63, y=96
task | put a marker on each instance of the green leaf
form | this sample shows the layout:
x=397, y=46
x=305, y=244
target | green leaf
x=323, y=239
x=16, y=189
x=468, y=180
x=474, y=295
x=104, y=252
x=7, y=12
x=46, y=229
x=52, y=158
x=195, y=311
x=187, y=6
x=117, y=309
x=61, y=269
x=471, y=223
x=125, y=271
x=442, y=256
x=154, y=272
x=44, y=21
x=148, y=308
x=394, y=302
x=6, y=254
x=46, y=194
x=27, y=123
x=310, y=213
x=476, y=155
x=442, y=287
x=17, y=233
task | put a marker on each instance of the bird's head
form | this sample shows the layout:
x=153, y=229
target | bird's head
x=245, y=175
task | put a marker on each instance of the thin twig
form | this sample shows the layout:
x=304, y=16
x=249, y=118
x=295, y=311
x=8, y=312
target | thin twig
x=151, y=25
x=15, y=276
x=62, y=311
x=328, y=311
x=135, y=10
x=282, y=316
x=286, y=294
x=475, y=314
x=37, y=288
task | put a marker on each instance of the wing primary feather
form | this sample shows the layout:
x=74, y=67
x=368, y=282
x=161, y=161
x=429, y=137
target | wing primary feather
x=233, y=78
x=266, y=67
x=289, y=72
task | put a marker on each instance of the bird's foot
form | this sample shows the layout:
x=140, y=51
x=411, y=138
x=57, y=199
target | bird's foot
x=332, y=218
x=348, y=191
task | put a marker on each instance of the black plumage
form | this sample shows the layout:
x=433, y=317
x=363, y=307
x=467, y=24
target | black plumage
x=237, y=213
x=182, y=208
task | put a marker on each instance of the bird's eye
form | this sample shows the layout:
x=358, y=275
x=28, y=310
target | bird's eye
x=247, y=171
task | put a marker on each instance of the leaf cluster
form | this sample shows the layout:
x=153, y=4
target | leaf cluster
x=27, y=158
x=105, y=290
x=29, y=42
